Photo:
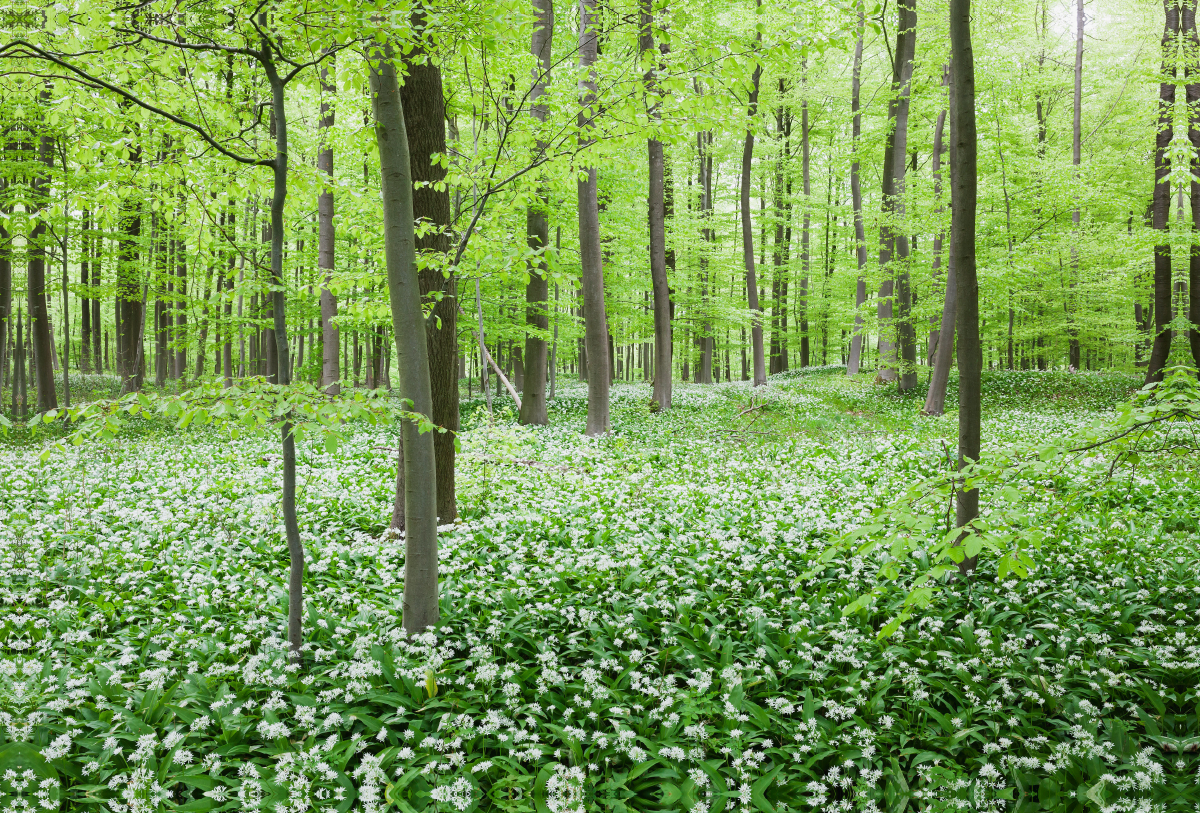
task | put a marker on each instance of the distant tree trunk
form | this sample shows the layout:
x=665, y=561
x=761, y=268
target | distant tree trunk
x=591, y=257
x=704, y=140
x=779, y=342
x=1076, y=155
x=656, y=214
x=854, y=362
x=537, y=228
x=805, y=237
x=39, y=312
x=6, y=309
x=85, y=305
x=1163, y=310
x=935, y=331
x=963, y=197
x=179, y=344
x=420, y=608
x=893, y=244
x=331, y=374
x=227, y=350
x=425, y=111
x=756, y=313
x=941, y=338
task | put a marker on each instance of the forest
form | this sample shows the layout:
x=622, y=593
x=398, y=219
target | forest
x=566, y=406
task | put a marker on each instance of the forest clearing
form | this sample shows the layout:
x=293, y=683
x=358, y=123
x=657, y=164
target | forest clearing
x=599, y=406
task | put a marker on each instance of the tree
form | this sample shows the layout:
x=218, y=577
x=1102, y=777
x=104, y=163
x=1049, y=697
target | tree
x=408, y=324
x=425, y=107
x=330, y=338
x=963, y=201
x=860, y=237
x=656, y=218
x=893, y=243
x=1162, y=199
x=756, y=312
x=591, y=257
x=941, y=338
x=537, y=227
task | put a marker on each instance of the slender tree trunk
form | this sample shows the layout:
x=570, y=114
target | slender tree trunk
x=1076, y=154
x=331, y=374
x=854, y=362
x=537, y=229
x=591, y=257
x=420, y=499
x=85, y=309
x=39, y=312
x=963, y=197
x=1163, y=309
x=756, y=313
x=805, y=235
x=1193, y=106
x=939, y=132
x=425, y=111
x=656, y=214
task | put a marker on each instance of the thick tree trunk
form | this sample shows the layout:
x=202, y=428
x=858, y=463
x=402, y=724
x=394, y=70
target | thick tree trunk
x=425, y=110
x=1163, y=310
x=537, y=229
x=591, y=257
x=893, y=244
x=420, y=608
x=756, y=313
x=656, y=214
x=331, y=373
x=963, y=197
x=854, y=362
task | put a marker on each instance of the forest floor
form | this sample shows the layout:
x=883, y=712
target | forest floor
x=627, y=622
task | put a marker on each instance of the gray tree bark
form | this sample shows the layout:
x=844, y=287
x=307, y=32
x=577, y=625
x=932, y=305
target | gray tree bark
x=1163, y=309
x=854, y=362
x=756, y=312
x=331, y=374
x=963, y=199
x=591, y=257
x=420, y=607
x=893, y=244
x=656, y=215
x=537, y=228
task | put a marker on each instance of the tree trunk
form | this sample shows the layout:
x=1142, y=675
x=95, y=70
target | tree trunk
x=1193, y=106
x=805, y=237
x=331, y=374
x=537, y=229
x=941, y=338
x=893, y=245
x=756, y=313
x=592, y=260
x=425, y=110
x=963, y=197
x=1076, y=154
x=854, y=362
x=39, y=313
x=1163, y=310
x=656, y=214
x=85, y=308
x=420, y=607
